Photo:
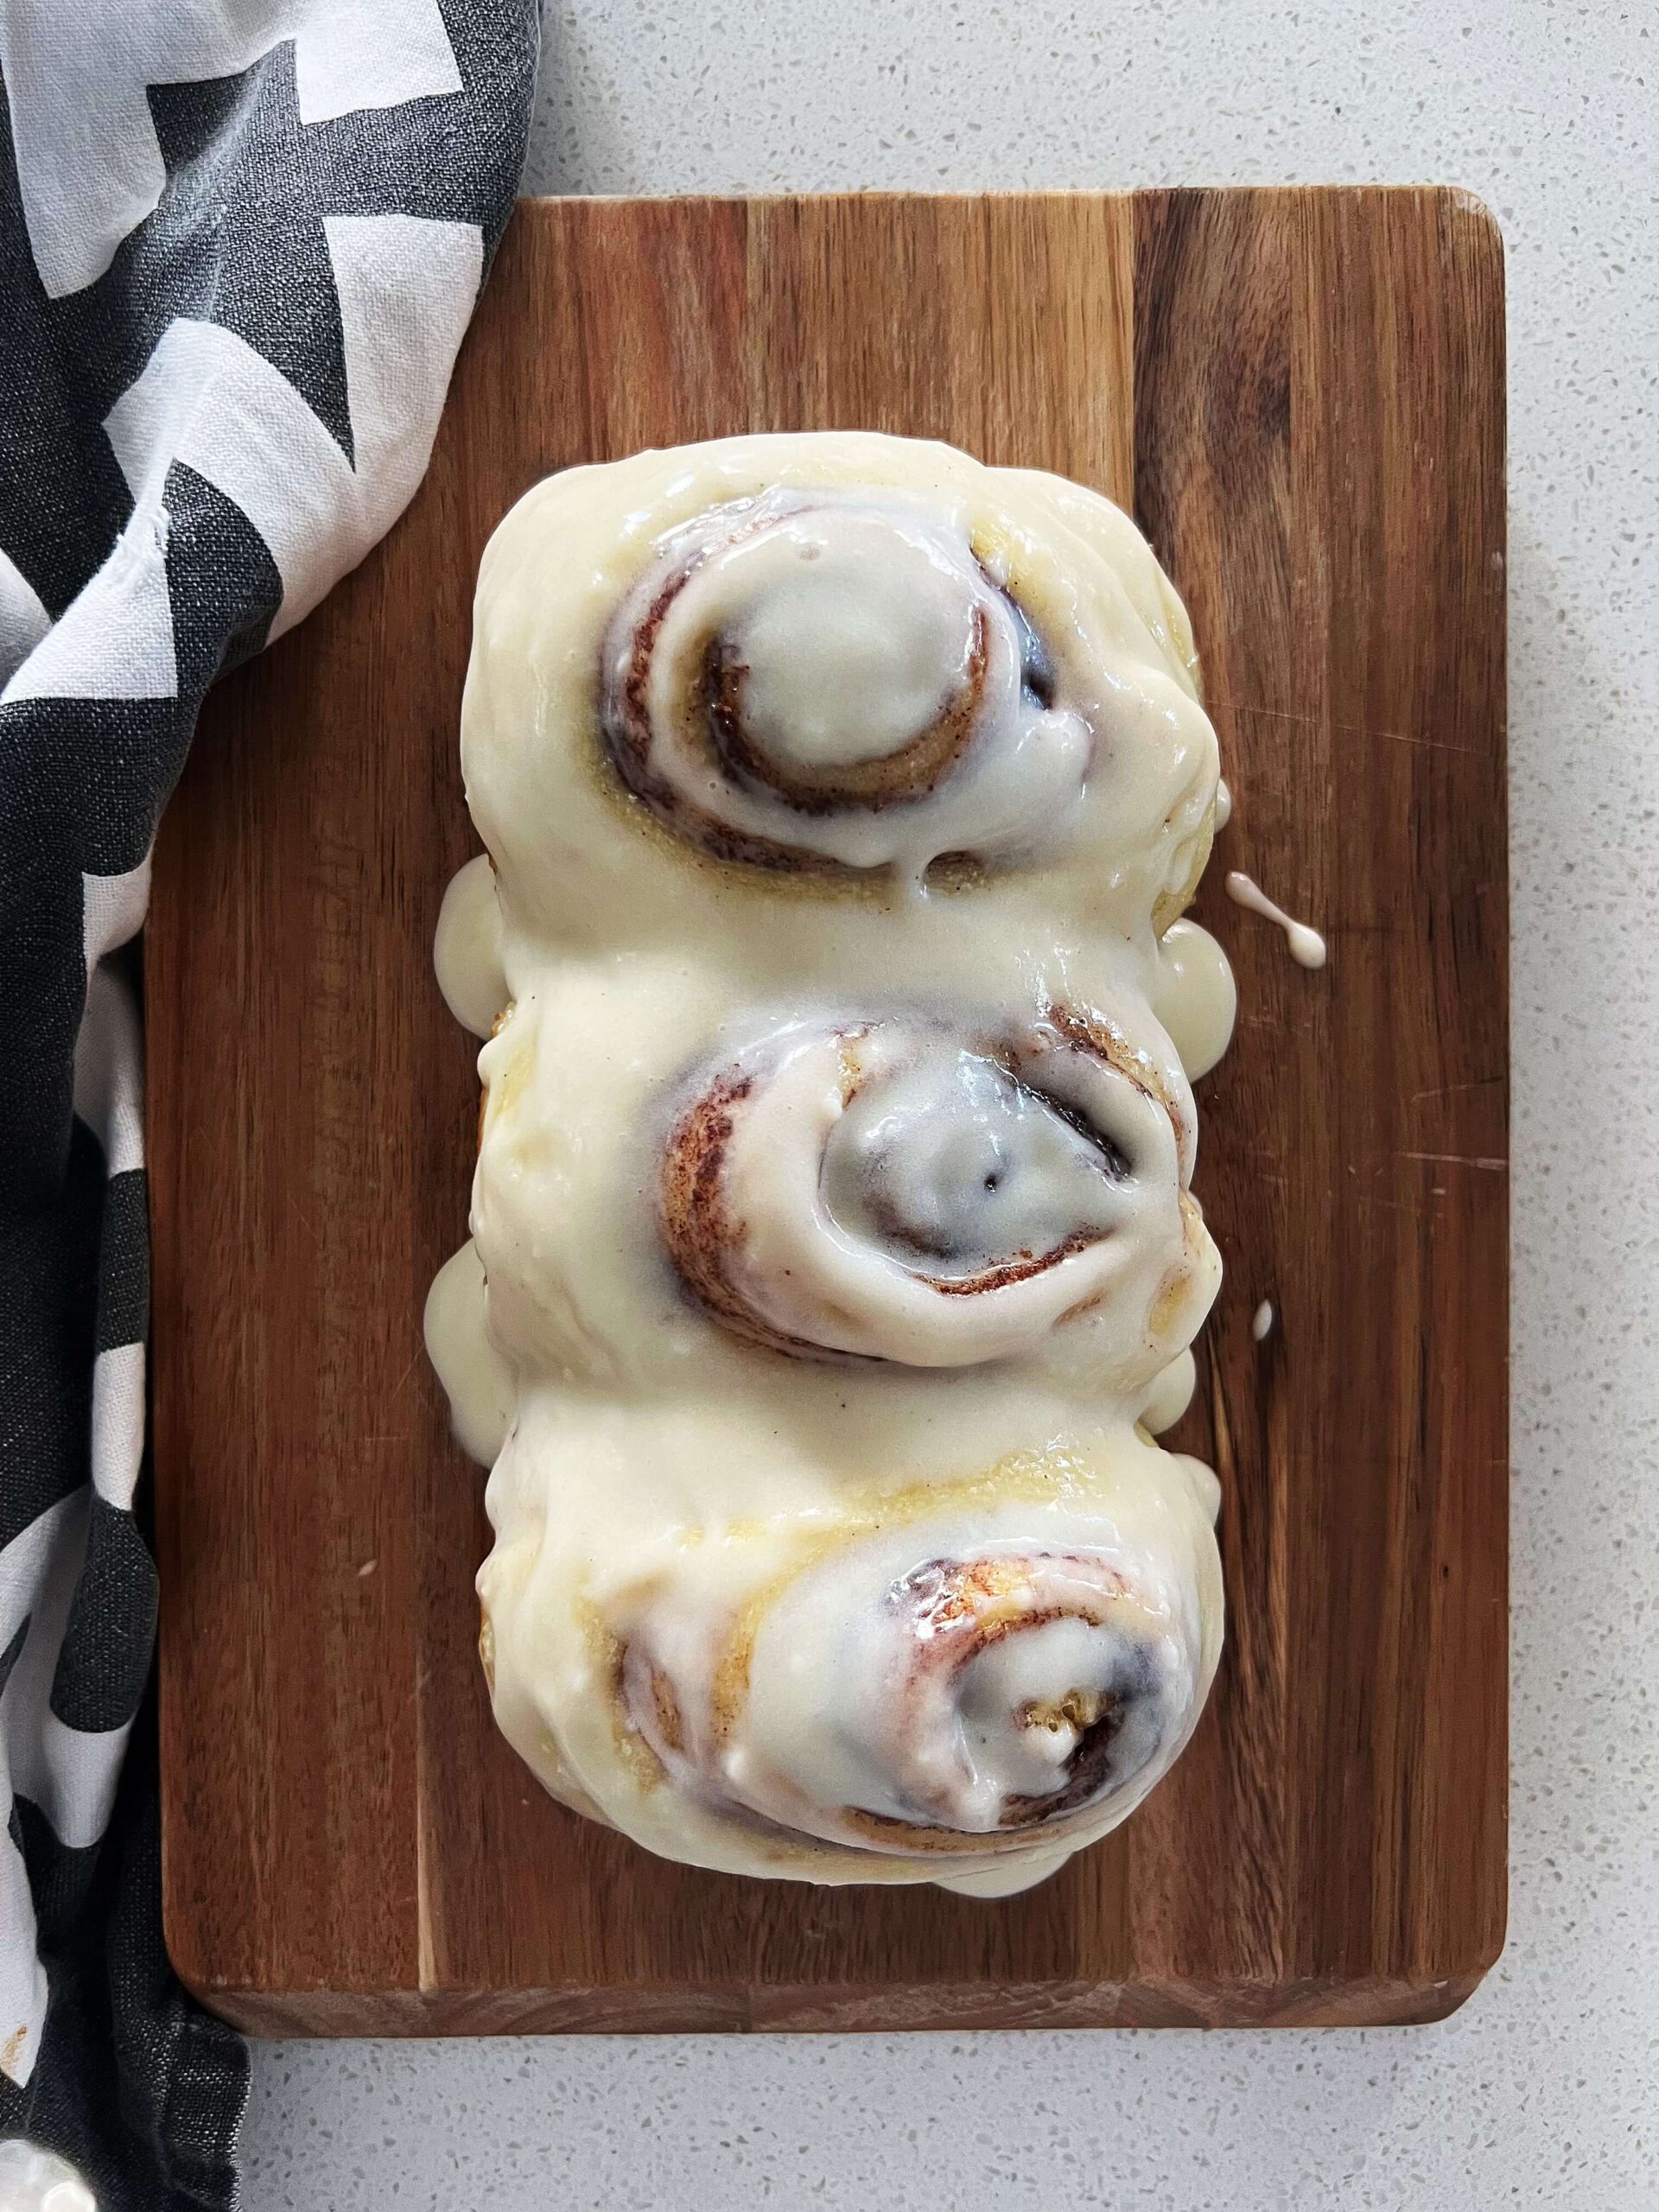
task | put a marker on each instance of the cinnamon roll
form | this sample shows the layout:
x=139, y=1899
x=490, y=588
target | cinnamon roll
x=909, y=1190
x=960, y=1679
x=834, y=1253
x=844, y=660
x=908, y=1698
x=805, y=680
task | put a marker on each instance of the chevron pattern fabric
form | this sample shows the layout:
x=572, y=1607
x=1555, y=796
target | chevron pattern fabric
x=240, y=241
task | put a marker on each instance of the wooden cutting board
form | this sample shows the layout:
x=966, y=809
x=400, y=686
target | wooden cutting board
x=1301, y=395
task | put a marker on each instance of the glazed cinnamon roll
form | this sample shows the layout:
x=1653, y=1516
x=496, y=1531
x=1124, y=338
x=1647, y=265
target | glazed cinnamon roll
x=834, y=1254
x=912, y=1191
x=938, y=1689
x=842, y=660
x=812, y=679
x=958, y=1680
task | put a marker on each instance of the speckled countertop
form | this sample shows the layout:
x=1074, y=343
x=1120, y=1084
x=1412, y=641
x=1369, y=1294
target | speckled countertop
x=1540, y=2092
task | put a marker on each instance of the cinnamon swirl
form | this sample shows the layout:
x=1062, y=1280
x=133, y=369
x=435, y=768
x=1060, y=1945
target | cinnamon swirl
x=910, y=1191
x=799, y=681
x=908, y=1698
x=937, y=1685
x=854, y=662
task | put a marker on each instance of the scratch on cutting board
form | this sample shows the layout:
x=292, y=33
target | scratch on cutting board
x=1458, y=1159
x=408, y=1371
x=1396, y=1205
x=1355, y=729
x=1447, y=1090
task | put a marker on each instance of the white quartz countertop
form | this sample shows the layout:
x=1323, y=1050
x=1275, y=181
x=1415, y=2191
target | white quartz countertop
x=1540, y=2092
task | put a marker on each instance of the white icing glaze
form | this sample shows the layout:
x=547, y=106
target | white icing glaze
x=1224, y=803
x=911, y=1193
x=1194, y=996
x=854, y=631
x=1007, y=1877
x=34, y=2180
x=1307, y=947
x=477, y=1381
x=853, y=628
x=672, y=1492
x=1261, y=1320
x=834, y=1733
x=1171, y=1394
x=955, y=1162
x=466, y=950
x=937, y=1673
x=575, y=547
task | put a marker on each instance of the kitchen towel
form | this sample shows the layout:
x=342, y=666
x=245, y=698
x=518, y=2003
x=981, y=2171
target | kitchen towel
x=241, y=242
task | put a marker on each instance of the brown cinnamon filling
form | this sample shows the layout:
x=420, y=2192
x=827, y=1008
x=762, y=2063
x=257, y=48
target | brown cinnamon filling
x=1088, y=1770
x=701, y=1234
x=1090, y=1033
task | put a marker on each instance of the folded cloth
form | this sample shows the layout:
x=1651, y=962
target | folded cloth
x=240, y=243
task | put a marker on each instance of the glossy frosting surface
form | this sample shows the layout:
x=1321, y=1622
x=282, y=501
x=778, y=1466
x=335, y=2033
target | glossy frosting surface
x=833, y=1195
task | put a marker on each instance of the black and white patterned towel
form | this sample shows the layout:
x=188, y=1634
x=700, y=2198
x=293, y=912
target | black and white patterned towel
x=240, y=243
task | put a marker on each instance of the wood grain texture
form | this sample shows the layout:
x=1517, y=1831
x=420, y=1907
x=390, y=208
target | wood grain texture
x=1302, y=393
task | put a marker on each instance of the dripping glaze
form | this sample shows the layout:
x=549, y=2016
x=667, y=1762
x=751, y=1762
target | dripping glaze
x=1307, y=946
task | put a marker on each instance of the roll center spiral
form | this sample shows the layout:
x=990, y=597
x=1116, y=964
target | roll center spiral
x=1029, y=1697
x=936, y=1193
x=957, y=1161
x=839, y=680
x=846, y=641
x=1002, y=1690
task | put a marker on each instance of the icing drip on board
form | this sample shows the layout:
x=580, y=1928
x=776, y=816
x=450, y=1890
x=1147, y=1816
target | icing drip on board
x=1307, y=947
x=467, y=951
x=1194, y=996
